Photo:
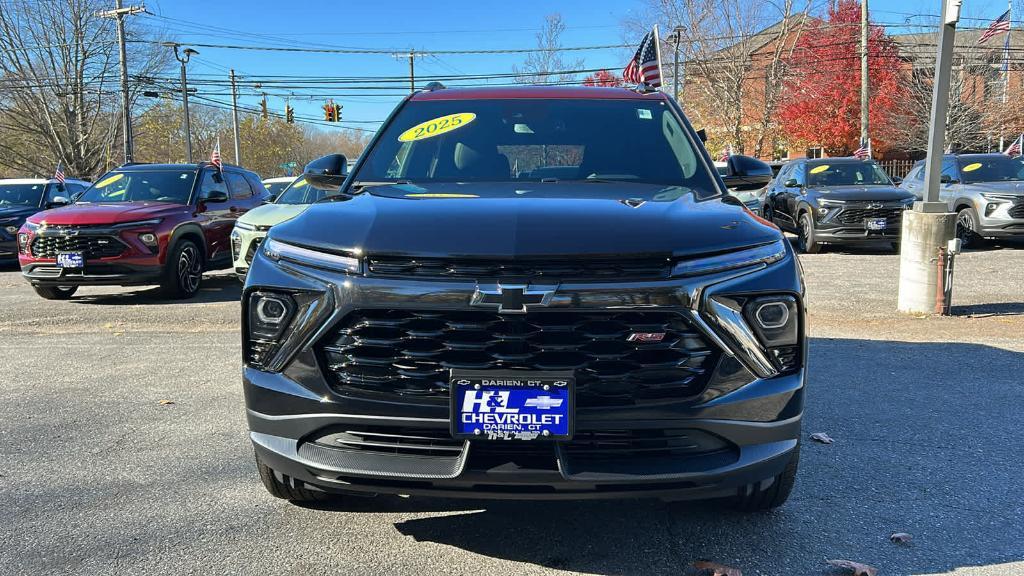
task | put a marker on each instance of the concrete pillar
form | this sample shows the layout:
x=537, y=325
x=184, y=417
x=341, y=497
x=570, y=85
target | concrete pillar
x=923, y=234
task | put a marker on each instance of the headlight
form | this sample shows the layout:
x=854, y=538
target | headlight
x=244, y=226
x=276, y=250
x=994, y=197
x=11, y=229
x=139, y=223
x=31, y=226
x=278, y=324
x=23, y=243
x=760, y=255
x=765, y=331
x=148, y=238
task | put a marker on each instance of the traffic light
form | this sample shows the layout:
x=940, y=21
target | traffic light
x=332, y=111
x=289, y=114
x=337, y=112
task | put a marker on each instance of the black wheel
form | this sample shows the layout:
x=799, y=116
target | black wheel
x=287, y=488
x=56, y=292
x=770, y=493
x=805, y=236
x=183, y=273
x=967, y=228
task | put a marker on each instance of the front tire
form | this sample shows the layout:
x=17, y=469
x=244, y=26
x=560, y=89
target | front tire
x=967, y=227
x=771, y=493
x=183, y=272
x=56, y=292
x=287, y=488
x=805, y=236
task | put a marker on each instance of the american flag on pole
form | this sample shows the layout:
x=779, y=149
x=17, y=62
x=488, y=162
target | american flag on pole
x=1015, y=149
x=58, y=174
x=215, y=156
x=999, y=26
x=644, y=68
x=864, y=151
x=725, y=154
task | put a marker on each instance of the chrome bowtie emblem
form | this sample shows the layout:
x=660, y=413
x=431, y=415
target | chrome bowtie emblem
x=509, y=299
x=875, y=205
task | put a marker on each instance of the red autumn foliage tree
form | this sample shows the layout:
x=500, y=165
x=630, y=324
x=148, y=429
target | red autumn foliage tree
x=602, y=78
x=821, y=99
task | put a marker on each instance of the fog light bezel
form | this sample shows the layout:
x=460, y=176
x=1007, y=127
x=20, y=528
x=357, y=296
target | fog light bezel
x=773, y=325
x=149, y=239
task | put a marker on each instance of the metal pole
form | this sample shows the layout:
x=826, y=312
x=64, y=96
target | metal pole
x=184, y=101
x=234, y=119
x=940, y=107
x=412, y=71
x=675, y=69
x=126, y=120
x=864, y=78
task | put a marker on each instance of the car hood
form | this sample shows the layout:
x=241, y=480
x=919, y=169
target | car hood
x=513, y=220
x=92, y=214
x=856, y=193
x=272, y=214
x=996, y=187
x=16, y=212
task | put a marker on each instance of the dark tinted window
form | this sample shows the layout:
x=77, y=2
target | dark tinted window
x=138, y=185
x=21, y=194
x=846, y=174
x=994, y=168
x=212, y=181
x=532, y=140
x=300, y=192
x=237, y=184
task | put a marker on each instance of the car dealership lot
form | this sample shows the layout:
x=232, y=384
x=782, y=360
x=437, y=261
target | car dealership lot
x=100, y=477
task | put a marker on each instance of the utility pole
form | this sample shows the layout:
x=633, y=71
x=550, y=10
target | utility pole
x=411, y=55
x=864, y=77
x=234, y=119
x=118, y=14
x=676, y=37
x=929, y=227
x=183, y=58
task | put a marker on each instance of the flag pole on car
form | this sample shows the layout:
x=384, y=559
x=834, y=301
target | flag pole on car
x=644, y=69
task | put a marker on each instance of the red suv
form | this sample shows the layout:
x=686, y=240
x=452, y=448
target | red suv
x=139, y=224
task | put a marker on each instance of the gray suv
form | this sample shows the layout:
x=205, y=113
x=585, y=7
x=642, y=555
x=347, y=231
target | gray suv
x=985, y=190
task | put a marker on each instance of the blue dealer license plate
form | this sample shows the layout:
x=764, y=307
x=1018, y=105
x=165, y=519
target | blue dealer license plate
x=70, y=260
x=877, y=224
x=512, y=405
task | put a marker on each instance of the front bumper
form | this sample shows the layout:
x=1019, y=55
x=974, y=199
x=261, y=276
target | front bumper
x=110, y=273
x=837, y=227
x=752, y=424
x=1001, y=219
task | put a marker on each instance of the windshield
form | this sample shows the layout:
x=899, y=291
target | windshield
x=846, y=174
x=534, y=140
x=275, y=188
x=142, y=186
x=300, y=192
x=21, y=194
x=995, y=168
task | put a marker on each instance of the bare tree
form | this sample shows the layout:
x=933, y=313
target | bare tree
x=546, y=66
x=58, y=85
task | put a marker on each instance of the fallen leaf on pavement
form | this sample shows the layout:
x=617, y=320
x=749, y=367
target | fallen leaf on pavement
x=166, y=402
x=857, y=568
x=901, y=538
x=714, y=569
x=822, y=437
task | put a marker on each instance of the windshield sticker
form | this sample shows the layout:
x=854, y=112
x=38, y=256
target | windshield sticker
x=299, y=182
x=644, y=114
x=109, y=181
x=972, y=167
x=437, y=126
x=439, y=195
x=819, y=169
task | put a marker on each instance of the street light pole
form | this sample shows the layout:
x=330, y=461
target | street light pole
x=928, y=228
x=864, y=77
x=677, y=36
x=183, y=58
x=234, y=119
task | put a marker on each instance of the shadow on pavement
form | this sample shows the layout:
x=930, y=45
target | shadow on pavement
x=216, y=287
x=993, y=309
x=927, y=442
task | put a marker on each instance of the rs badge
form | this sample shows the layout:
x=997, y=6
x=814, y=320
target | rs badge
x=646, y=337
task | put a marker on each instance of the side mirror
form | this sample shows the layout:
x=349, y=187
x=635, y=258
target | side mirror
x=215, y=196
x=703, y=135
x=327, y=172
x=77, y=195
x=946, y=179
x=58, y=201
x=271, y=198
x=746, y=173
x=897, y=180
x=791, y=183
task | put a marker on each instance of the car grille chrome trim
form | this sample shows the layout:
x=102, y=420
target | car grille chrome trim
x=408, y=353
x=857, y=215
x=91, y=246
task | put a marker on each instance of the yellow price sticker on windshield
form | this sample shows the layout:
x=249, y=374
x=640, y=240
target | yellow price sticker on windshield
x=299, y=182
x=819, y=169
x=972, y=167
x=109, y=181
x=437, y=126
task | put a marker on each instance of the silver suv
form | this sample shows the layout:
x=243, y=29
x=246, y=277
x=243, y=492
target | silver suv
x=985, y=190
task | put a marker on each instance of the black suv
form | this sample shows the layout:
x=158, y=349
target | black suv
x=528, y=293
x=836, y=201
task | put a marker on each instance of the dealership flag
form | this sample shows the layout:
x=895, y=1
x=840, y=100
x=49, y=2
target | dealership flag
x=58, y=174
x=1001, y=25
x=645, y=67
x=864, y=152
x=215, y=156
x=1015, y=149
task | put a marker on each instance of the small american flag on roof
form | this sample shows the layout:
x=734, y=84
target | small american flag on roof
x=58, y=174
x=725, y=154
x=215, y=156
x=864, y=151
x=999, y=26
x=1015, y=149
x=644, y=68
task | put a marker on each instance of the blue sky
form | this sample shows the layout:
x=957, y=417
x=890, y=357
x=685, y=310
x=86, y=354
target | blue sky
x=402, y=24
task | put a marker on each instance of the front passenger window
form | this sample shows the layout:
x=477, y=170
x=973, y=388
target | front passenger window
x=212, y=181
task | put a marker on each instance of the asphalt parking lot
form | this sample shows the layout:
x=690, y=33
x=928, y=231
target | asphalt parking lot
x=99, y=477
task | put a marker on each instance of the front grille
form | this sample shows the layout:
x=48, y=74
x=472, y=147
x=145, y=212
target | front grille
x=859, y=215
x=393, y=440
x=643, y=268
x=409, y=353
x=648, y=443
x=1017, y=210
x=90, y=246
x=250, y=253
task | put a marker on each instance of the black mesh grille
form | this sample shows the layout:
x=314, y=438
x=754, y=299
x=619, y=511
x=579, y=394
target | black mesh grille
x=90, y=246
x=654, y=442
x=550, y=269
x=409, y=353
x=858, y=215
x=1017, y=210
